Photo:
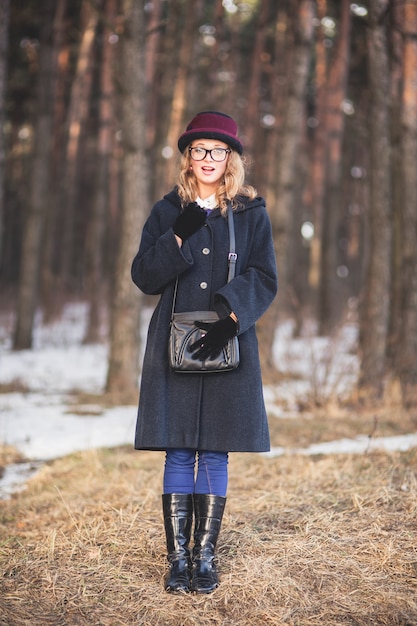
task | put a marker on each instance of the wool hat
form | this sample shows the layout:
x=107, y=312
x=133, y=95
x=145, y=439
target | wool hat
x=211, y=125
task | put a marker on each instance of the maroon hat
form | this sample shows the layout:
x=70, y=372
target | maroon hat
x=211, y=125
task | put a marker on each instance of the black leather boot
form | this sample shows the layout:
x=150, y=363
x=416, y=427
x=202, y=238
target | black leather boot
x=178, y=519
x=208, y=511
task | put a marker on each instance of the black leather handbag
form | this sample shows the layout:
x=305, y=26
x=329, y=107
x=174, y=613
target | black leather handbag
x=184, y=332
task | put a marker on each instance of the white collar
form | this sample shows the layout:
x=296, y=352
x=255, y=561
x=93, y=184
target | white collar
x=207, y=203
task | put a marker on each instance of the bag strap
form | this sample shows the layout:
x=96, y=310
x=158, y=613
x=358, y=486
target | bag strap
x=231, y=259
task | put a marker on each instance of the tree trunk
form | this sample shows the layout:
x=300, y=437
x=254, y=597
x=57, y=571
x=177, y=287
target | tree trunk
x=152, y=84
x=280, y=205
x=4, y=44
x=37, y=206
x=179, y=100
x=329, y=302
x=122, y=378
x=267, y=325
x=375, y=309
x=165, y=79
x=49, y=292
x=283, y=50
x=216, y=53
x=77, y=115
x=317, y=179
x=286, y=173
x=396, y=82
x=96, y=265
x=254, y=88
x=407, y=358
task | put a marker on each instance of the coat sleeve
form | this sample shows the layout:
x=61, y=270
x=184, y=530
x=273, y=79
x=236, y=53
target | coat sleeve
x=159, y=259
x=251, y=292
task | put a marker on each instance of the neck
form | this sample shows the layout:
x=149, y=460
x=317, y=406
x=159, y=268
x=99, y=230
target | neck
x=205, y=191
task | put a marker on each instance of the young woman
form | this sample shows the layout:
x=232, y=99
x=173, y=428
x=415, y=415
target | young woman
x=200, y=418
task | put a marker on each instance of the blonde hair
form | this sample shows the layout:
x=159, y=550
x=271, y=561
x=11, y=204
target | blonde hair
x=232, y=185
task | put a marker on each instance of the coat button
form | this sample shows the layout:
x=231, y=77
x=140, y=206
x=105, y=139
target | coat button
x=206, y=251
x=203, y=285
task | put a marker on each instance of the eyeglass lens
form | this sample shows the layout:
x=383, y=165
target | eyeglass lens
x=217, y=154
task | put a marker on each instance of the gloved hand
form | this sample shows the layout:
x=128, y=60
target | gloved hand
x=211, y=344
x=189, y=221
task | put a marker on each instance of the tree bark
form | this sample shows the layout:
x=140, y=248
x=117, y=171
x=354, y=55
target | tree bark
x=329, y=302
x=286, y=173
x=179, y=100
x=37, y=205
x=217, y=53
x=396, y=82
x=4, y=44
x=407, y=358
x=283, y=50
x=281, y=199
x=165, y=78
x=96, y=266
x=268, y=323
x=317, y=179
x=50, y=297
x=254, y=88
x=122, y=377
x=375, y=309
x=77, y=115
x=152, y=84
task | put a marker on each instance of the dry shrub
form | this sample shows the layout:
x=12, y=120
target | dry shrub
x=305, y=541
x=8, y=455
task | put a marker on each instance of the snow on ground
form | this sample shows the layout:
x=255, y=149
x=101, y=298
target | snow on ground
x=44, y=428
x=359, y=445
x=39, y=422
x=40, y=425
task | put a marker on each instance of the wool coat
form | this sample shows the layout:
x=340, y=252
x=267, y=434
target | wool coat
x=217, y=411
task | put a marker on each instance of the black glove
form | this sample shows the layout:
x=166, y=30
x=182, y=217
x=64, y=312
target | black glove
x=189, y=221
x=218, y=334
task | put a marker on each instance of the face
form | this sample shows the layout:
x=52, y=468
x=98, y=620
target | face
x=208, y=172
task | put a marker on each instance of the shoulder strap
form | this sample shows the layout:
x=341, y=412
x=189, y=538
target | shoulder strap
x=232, y=244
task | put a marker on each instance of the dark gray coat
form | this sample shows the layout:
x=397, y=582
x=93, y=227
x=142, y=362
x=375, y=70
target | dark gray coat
x=222, y=412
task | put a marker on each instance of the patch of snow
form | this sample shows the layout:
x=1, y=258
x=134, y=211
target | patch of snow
x=48, y=430
x=316, y=367
x=53, y=369
x=15, y=477
x=359, y=445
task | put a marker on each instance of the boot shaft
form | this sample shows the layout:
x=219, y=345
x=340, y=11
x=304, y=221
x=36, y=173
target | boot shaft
x=208, y=511
x=178, y=519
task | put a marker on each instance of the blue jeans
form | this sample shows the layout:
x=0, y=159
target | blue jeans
x=212, y=476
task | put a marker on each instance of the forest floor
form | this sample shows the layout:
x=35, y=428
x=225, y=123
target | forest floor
x=306, y=540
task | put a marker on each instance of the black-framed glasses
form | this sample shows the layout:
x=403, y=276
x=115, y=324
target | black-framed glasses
x=217, y=154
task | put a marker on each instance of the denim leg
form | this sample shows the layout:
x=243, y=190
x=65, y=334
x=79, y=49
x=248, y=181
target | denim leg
x=212, y=475
x=179, y=471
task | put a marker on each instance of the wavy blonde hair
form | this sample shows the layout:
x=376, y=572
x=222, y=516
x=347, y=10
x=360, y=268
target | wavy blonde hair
x=232, y=185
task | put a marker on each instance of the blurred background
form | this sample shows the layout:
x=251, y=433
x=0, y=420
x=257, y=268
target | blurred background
x=93, y=97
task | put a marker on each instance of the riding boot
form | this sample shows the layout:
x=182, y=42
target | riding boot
x=208, y=512
x=178, y=519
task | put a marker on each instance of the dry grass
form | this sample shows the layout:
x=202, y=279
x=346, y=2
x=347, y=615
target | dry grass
x=305, y=541
x=338, y=422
